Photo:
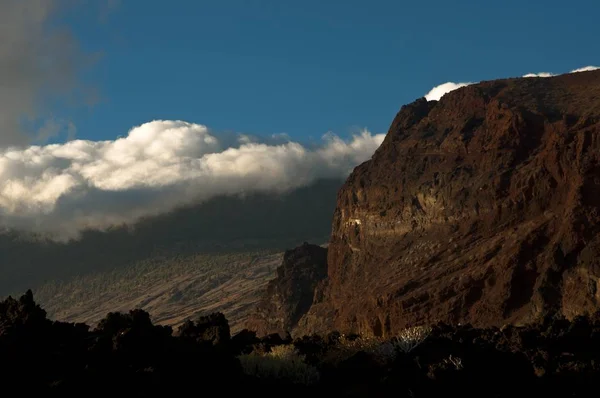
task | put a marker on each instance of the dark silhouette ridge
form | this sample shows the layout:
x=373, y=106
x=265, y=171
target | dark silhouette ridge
x=126, y=355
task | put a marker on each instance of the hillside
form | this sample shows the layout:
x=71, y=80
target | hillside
x=171, y=289
x=222, y=225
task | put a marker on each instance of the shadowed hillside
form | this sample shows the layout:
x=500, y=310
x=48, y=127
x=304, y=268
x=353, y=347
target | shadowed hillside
x=220, y=225
x=172, y=289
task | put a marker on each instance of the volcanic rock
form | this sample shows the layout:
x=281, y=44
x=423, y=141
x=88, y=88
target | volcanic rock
x=290, y=295
x=481, y=208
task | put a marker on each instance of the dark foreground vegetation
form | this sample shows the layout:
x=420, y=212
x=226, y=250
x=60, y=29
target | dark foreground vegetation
x=126, y=355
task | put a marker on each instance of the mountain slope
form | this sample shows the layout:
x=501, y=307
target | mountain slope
x=172, y=289
x=221, y=225
x=483, y=207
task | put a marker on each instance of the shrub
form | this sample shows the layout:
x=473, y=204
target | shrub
x=455, y=362
x=410, y=338
x=283, y=362
x=348, y=346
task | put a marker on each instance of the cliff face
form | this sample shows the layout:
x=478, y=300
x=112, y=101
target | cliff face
x=482, y=208
x=290, y=295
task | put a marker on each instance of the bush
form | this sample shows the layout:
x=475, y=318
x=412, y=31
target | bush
x=383, y=351
x=282, y=363
x=410, y=338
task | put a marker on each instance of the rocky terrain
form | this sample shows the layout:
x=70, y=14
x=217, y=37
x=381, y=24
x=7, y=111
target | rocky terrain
x=290, y=294
x=480, y=208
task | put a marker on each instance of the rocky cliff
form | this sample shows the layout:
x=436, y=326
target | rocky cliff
x=290, y=295
x=482, y=207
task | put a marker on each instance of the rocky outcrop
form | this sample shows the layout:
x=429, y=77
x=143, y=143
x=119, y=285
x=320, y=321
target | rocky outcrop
x=290, y=295
x=483, y=207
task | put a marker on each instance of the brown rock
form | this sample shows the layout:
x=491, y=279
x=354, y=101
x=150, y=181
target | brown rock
x=482, y=207
x=290, y=295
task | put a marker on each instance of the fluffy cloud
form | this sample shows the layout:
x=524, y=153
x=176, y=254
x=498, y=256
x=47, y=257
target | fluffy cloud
x=438, y=91
x=62, y=188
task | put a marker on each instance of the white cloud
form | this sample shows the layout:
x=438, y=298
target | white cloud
x=585, y=69
x=438, y=91
x=548, y=74
x=541, y=74
x=159, y=165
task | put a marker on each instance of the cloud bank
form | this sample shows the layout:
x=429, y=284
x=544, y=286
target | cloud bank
x=439, y=91
x=62, y=188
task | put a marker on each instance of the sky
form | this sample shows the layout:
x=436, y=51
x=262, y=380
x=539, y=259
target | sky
x=308, y=67
x=111, y=108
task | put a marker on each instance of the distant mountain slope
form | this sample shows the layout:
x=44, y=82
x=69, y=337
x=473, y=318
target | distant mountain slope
x=221, y=225
x=172, y=289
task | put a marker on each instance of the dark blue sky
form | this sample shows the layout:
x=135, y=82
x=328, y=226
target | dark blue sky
x=312, y=66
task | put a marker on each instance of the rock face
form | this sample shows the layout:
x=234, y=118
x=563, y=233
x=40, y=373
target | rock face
x=290, y=295
x=483, y=207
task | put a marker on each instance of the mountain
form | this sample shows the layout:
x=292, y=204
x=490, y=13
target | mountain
x=172, y=289
x=227, y=224
x=481, y=208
